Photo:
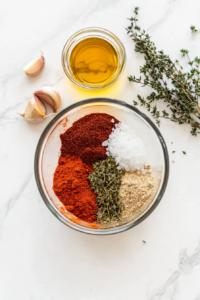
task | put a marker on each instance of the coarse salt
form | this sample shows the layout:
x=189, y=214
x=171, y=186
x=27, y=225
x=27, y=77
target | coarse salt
x=127, y=149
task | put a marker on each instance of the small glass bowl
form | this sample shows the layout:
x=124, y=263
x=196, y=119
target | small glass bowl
x=93, y=32
x=48, y=152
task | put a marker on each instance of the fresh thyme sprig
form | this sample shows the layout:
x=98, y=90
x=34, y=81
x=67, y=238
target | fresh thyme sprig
x=158, y=71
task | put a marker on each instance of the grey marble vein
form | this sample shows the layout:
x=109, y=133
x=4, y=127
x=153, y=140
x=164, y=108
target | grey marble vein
x=162, y=19
x=69, y=21
x=9, y=114
x=55, y=81
x=185, y=267
x=100, y=5
x=11, y=202
x=46, y=244
x=17, y=72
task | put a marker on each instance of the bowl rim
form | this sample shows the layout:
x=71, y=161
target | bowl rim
x=122, y=228
x=67, y=46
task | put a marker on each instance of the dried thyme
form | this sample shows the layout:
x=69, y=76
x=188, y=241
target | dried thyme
x=193, y=29
x=159, y=73
x=105, y=180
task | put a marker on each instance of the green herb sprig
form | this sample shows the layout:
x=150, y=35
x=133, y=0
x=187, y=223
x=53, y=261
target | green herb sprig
x=158, y=72
x=105, y=180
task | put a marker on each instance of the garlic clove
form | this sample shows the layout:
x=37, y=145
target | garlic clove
x=35, y=66
x=35, y=110
x=39, y=106
x=51, y=96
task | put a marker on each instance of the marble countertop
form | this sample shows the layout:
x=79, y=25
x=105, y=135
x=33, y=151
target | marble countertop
x=42, y=259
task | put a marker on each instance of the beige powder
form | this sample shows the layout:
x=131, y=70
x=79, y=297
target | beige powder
x=134, y=191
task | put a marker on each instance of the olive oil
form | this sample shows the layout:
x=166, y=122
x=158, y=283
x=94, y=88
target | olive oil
x=94, y=61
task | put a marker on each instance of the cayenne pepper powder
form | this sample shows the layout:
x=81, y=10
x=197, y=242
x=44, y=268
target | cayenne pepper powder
x=72, y=187
x=81, y=146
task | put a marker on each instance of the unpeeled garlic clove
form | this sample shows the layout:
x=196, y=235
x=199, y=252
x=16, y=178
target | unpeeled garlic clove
x=51, y=96
x=35, y=110
x=35, y=66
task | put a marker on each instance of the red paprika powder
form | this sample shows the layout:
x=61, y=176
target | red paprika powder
x=81, y=146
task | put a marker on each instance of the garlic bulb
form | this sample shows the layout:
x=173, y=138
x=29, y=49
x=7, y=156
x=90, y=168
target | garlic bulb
x=35, y=110
x=51, y=96
x=35, y=66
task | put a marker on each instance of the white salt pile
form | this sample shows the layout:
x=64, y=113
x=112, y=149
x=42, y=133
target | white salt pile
x=127, y=149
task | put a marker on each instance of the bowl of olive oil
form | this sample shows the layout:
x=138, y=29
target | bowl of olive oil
x=93, y=58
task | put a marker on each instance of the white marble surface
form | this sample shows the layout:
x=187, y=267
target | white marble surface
x=42, y=259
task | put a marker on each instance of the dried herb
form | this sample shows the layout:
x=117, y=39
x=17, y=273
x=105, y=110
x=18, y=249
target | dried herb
x=160, y=73
x=184, y=152
x=105, y=180
x=144, y=242
x=193, y=29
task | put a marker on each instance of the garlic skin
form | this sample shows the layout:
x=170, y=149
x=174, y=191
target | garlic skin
x=51, y=96
x=35, y=66
x=35, y=110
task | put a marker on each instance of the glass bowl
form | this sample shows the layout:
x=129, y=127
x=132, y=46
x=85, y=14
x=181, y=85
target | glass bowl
x=48, y=152
x=93, y=32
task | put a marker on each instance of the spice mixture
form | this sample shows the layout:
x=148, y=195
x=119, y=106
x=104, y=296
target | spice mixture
x=134, y=191
x=93, y=178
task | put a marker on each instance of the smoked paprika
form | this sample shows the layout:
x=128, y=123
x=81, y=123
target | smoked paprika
x=85, y=137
